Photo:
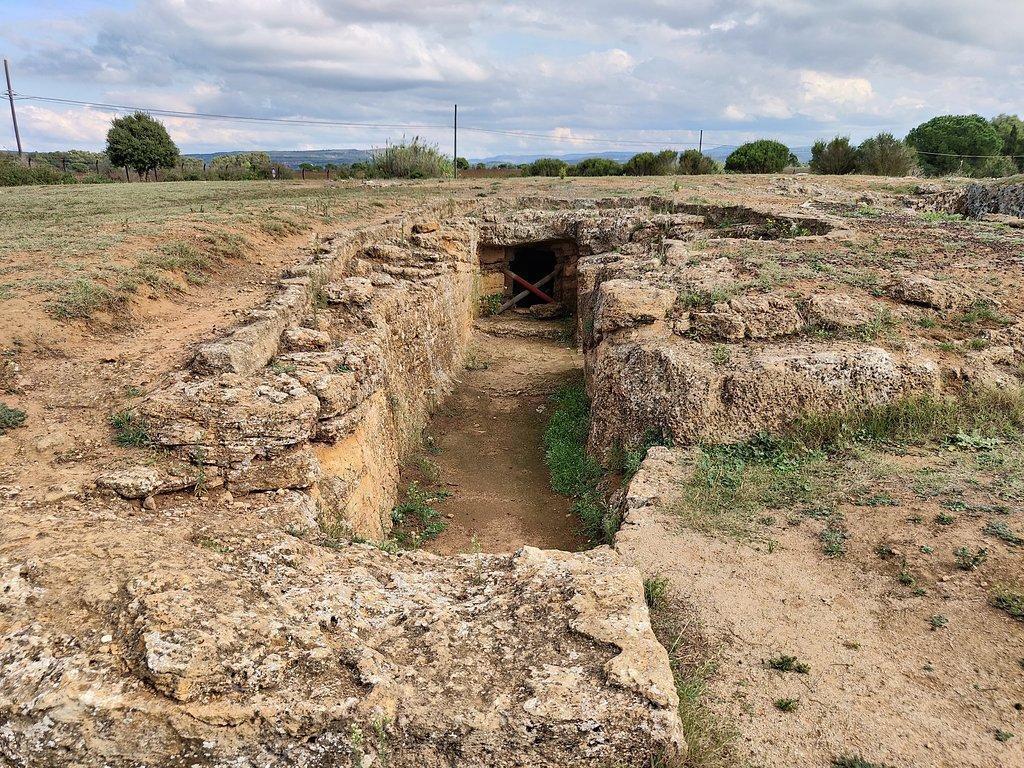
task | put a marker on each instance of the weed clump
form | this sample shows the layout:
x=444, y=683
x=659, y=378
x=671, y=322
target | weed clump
x=416, y=520
x=786, y=663
x=130, y=429
x=10, y=418
x=1009, y=600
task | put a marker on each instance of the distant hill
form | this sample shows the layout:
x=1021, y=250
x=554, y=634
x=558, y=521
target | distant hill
x=293, y=158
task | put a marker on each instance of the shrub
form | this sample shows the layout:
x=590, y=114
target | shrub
x=695, y=163
x=996, y=167
x=836, y=157
x=943, y=141
x=761, y=156
x=546, y=166
x=885, y=155
x=597, y=166
x=14, y=174
x=245, y=166
x=10, y=418
x=650, y=164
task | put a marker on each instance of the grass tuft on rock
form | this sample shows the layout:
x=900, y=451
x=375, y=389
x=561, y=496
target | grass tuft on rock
x=130, y=429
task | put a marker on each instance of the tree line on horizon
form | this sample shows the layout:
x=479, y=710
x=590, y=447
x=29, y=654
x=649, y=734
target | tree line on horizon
x=962, y=145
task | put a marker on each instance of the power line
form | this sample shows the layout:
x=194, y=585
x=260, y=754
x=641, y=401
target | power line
x=340, y=123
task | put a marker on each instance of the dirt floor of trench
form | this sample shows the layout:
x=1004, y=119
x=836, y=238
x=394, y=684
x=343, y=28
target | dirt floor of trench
x=486, y=446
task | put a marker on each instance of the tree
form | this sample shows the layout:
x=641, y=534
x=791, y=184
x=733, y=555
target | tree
x=650, y=164
x=955, y=144
x=836, y=157
x=1011, y=131
x=461, y=164
x=141, y=143
x=695, y=163
x=597, y=166
x=885, y=155
x=761, y=156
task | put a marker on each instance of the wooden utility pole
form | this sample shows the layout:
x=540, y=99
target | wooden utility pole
x=700, y=142
x=455, y=132
x=10, y=97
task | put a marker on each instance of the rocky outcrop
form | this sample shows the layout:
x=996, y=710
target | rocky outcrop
x=673, y=387
x=839, y=312
x=928, y=292
x=291, y=654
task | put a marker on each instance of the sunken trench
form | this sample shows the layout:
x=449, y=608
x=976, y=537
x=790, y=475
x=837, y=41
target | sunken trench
x=311, y=635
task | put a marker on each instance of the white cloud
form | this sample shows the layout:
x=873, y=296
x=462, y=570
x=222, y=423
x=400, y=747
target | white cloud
x=822, y=87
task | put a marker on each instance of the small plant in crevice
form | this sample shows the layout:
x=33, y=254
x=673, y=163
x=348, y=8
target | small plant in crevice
x=655, y=591
x=415, y=519
x=491, y=303
x=10, y=418
x=787, y=663
x=130, y=429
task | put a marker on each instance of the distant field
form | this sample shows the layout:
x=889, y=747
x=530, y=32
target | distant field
x=87, y=248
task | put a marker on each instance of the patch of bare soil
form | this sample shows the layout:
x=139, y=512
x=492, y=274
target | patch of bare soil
x=487, y=443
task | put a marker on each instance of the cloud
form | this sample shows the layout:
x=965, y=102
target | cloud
x=645, y=71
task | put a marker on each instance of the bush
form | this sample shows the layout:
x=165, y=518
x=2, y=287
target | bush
x=997, y=167
x=695, y=163
x=597, y=166
x=761, y=156
x=943, y=141
x=245, y=166
x=409, y=160
x=650, y=164
x=885, y=155
x=546, y=166
x=836, y=157
x=14, y=174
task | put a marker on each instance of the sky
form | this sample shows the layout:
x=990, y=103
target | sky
x=583, y=75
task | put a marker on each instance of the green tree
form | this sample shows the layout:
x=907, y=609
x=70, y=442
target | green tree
x=694, y=163
x=462, y=163
x=955, y=144
x=597, y=166
x=141, y=143
x=650, y=164
x=835, y=157
x=761, y=156
x=1011, y=131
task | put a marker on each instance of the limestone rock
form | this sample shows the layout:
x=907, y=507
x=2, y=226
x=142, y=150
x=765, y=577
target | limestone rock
x=298, y=468
x=301, y=339
x=625, y=304
x=132, y=482
x=937, y=294
x=838, y=311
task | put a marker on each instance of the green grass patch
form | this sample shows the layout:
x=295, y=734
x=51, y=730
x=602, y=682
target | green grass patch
x=1009, y=600
x=574, y=473
x=988, y=413
x=130, y=429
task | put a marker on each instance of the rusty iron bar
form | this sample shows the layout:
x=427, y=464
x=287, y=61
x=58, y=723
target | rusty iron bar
x=529, y=286
x=523, y=294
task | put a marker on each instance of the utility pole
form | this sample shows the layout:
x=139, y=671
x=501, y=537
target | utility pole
x=700, y=142
x=455, y=132
x=10, y=97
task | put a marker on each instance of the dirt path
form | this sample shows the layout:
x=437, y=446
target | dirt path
x=489, y=435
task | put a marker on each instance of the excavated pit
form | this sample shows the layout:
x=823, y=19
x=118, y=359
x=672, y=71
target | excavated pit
x=305, y=414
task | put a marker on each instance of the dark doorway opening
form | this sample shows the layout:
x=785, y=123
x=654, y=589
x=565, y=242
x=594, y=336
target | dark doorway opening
x=533, y=263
